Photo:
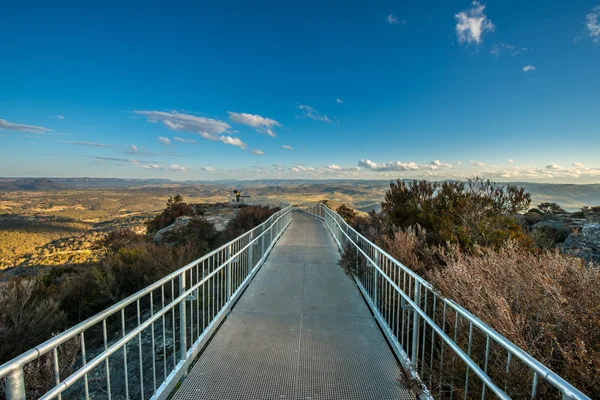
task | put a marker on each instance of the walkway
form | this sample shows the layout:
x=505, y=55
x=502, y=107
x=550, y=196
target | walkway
x=300, y=331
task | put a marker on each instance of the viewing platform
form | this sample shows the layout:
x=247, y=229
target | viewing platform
x=302, y=330
x=273, y=315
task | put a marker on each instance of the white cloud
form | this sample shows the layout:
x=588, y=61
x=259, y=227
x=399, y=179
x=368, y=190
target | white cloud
x=391, y=19
x=209, y=169
x=169, y=168
x=8, y=126
x=164, y=140
x=592, y=24
x=389, y=166
x=178, y=121
x=339, y=101
x=207, y=128
x=184, y=140
x=554, y=166
x=472, y=24
x=309, y=112
x=232, y=141
x=89, y=144
x=334, y=167
x=60, y=117
x=258, y=152
x=522, y=49
x=437, y=164
x=528, y=68
x=176, y=168
x=287, y=147
x=134, y=148
x=262, y=124
x=477, y=163
x=511, y=161
x=578, y=164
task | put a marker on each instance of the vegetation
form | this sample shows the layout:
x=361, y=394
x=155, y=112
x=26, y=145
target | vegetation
x=35, y=308
x=468, y=241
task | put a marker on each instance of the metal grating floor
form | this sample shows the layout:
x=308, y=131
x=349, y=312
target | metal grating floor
x=300, y=331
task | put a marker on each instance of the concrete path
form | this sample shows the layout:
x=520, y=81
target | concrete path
x=300, y=331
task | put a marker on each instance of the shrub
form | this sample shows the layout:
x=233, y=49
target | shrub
x=246, y=219
x=347, y=213
x=120, y=238
x=473, y=213
x=547, y=304
x=552, y=208
x=27, y=317
x=175, y=208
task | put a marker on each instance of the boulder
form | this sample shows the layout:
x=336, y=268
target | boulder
x=584, y=242
x=179, y=223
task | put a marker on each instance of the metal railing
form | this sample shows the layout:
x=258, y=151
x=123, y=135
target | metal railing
x=142, y=346
x=448, y=351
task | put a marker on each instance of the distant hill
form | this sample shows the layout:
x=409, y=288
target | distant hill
x=33, y=184
x=365, y=195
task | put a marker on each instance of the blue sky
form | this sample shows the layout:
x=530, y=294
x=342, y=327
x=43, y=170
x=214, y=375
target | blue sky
x=189, y=90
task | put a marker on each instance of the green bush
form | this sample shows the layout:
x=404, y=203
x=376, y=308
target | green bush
x=175, y=208
x=474, y=213
x=246, y=219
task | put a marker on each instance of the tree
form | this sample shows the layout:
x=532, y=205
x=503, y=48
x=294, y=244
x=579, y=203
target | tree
x=476, y=212
x=175, y=208
x=551, y=208
x=347, y=213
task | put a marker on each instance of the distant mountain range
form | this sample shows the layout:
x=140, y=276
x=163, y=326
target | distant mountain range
x=569, y=196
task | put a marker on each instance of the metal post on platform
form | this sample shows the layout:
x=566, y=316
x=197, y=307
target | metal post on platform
x=250, y=254
x=415, y=335
x=182, y=321
x=262, y=243
x=229, y=261
x=375, y=276
x=15, y=385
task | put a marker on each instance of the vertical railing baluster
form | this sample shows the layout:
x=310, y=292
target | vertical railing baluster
x=173, y=323
x=485, y=366
x=140, y=350
x=469, y=355
x=415, y=336
x=125, y=355
x=164, y=330
x=152, y=340
x=442, y=348
x=106, y=362
x=182, y=320
x=83, y=362
x=15, y=385
x=56, y=371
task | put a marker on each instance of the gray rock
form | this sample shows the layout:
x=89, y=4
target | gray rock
x=179, y=223
x=584, y=242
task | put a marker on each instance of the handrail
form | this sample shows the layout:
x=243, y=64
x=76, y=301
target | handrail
x=212, y=282
x=383, y=273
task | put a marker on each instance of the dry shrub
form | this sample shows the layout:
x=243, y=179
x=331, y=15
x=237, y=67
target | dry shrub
x=410, y=247
x=246, y=219
x=27, y=317
x=547, y=304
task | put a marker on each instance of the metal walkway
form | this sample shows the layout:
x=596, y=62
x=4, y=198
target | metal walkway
x=300, y=331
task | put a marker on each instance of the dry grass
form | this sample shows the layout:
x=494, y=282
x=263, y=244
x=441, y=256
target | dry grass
x=547, y=304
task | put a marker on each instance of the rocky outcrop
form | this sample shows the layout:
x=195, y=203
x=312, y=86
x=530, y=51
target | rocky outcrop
x=584, y=242
x=577, y=233
x=179, y=223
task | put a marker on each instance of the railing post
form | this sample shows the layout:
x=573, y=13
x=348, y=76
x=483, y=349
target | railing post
x=262, y=243
x=182, y=321
x=375, y=276
x=229, y=261
x=250, y=255
x=415, y=335
x=15, y=385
